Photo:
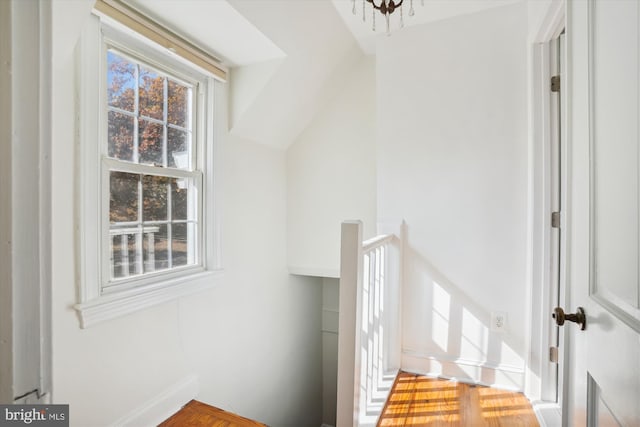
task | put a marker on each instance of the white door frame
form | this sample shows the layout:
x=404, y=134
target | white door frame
x=6, y=324
x=540, y=377
x=25, y=200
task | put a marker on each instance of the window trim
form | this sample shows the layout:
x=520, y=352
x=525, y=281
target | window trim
x=96, y=303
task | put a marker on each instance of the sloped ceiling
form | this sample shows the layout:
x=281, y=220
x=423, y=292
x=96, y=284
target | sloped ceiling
x=283, y=55
x=317, y=45
x=286, y=56
x=214, y=25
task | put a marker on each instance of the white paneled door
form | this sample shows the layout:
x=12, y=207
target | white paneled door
x=602, y=221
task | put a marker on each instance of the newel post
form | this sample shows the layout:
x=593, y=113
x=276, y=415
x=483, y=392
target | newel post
x=348, y=335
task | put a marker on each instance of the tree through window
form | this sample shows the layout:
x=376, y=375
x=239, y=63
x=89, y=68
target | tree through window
x=152, y=174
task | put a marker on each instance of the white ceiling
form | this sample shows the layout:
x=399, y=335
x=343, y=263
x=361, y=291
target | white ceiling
x=219, y=26
x=318, y=47
x=215, y=26
x=425, y=11
x=287, y=57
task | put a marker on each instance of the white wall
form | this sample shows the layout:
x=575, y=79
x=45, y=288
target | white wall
x=263, y=355
x=331, y=175
x=330, y=304
x=539, y=13
x=253, y=342
x=452, y=161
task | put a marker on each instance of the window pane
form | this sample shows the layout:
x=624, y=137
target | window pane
x=150, y=142
x=178, y=104
x=180, y=246
x=180, y=199
x=155, y=248
x=154, y=198
x=120, y=136
x=178, y=149
x=151, y=92
x=121, y=82
x=123, y=203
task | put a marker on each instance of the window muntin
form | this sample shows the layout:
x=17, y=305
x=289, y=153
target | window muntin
x=151, y=171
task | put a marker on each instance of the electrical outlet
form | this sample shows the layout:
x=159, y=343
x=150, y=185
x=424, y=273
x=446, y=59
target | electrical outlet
x=498, y=321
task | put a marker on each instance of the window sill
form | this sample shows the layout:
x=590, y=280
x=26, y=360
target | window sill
x=119, y=304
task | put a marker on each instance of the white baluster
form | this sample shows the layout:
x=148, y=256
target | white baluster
x=124, y=255
x=113, y=264
x=150, y=263
x=139, y=256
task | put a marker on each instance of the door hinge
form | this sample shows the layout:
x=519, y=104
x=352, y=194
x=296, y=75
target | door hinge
x=555, y=83
x=553, y=354
x=555, y=219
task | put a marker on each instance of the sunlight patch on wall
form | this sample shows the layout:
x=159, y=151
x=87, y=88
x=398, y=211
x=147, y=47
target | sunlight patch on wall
x=474, y=337
x=440, y=316
x=509, y=356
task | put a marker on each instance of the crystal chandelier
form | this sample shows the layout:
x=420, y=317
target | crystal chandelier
x=386, y=8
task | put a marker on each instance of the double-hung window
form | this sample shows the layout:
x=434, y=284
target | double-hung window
x=147, y=168
x=151, y=165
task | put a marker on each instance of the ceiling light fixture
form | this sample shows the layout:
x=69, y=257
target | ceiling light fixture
x=386, y=8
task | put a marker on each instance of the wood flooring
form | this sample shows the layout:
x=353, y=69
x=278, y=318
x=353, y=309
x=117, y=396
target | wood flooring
x=198, y=414
x=422, y=401
x=415, y=401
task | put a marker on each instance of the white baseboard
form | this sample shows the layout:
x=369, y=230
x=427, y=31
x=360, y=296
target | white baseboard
x=162, y=406
x=467, y=371
x=548, y=414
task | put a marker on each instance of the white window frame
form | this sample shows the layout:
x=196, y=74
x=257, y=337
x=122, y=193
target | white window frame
x=97, y=300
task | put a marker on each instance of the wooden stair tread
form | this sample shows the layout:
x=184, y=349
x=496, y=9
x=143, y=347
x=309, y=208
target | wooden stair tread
x=198, y=414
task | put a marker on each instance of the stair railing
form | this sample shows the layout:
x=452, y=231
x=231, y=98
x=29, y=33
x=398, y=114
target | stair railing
x=369, y=340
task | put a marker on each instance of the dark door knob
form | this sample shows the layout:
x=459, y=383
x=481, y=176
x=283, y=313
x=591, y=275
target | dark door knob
x=579, y=317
